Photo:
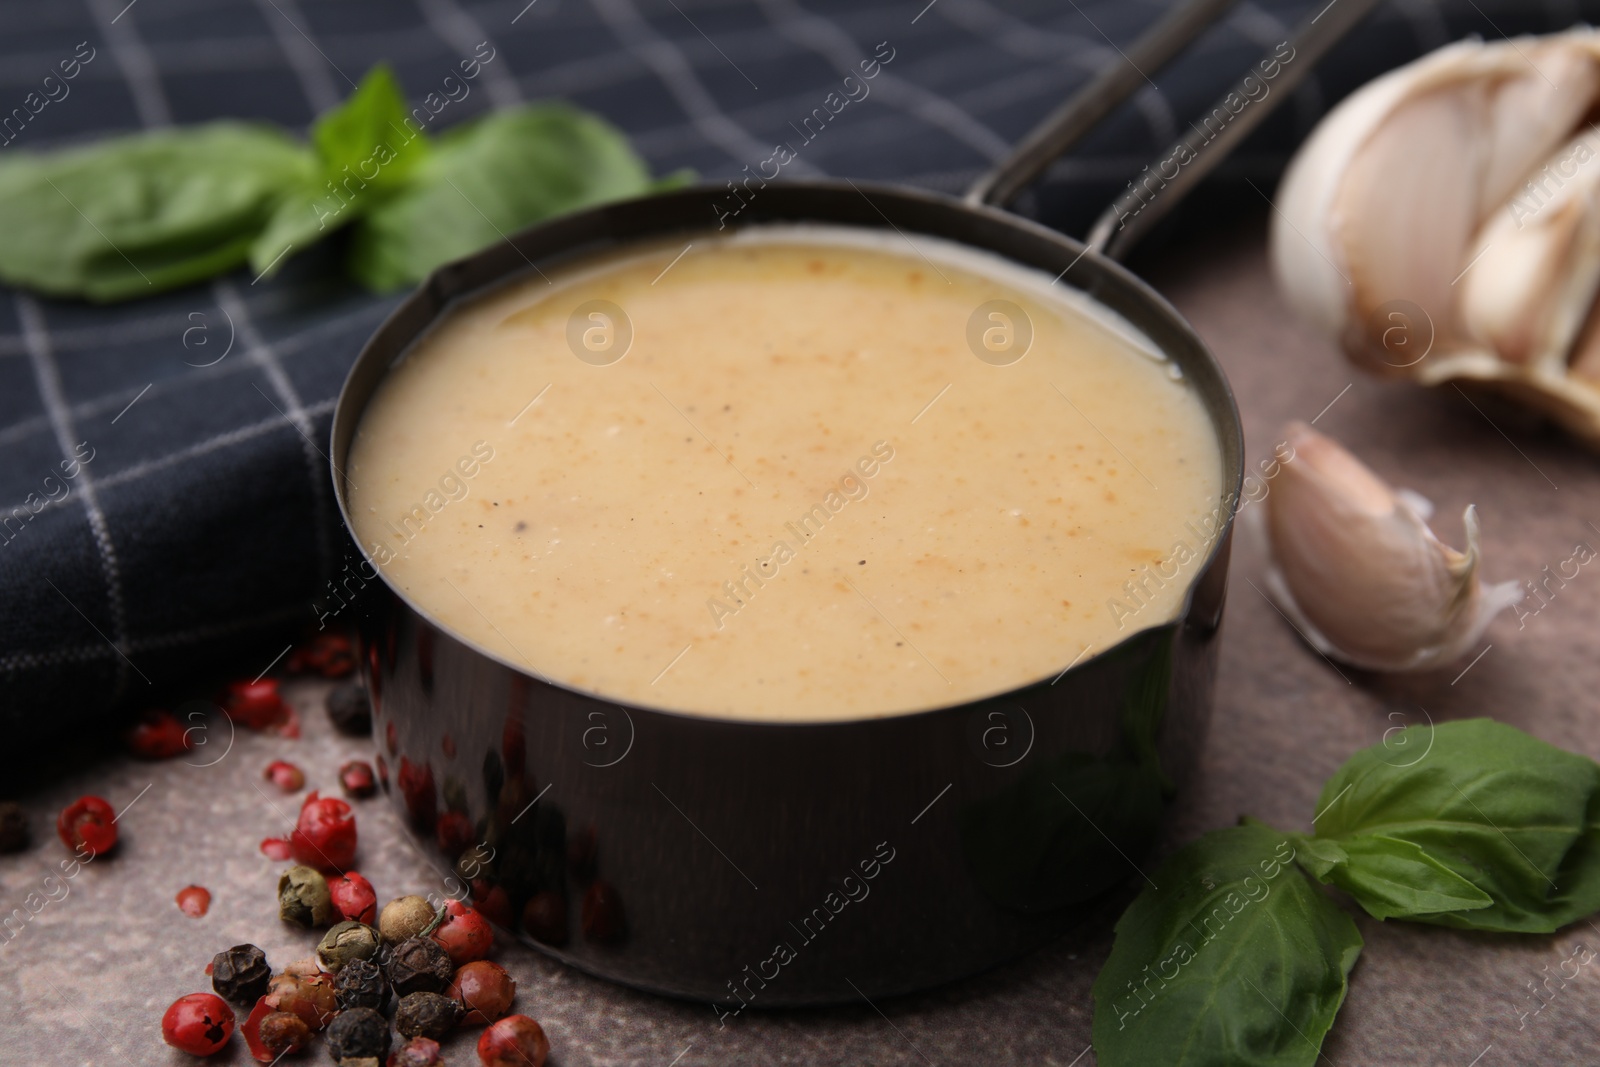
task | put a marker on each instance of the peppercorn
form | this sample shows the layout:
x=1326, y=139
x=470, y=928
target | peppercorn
x=255, y=705
x=157, y=735
x=345, y=942
x=353, y=898
x=358, y=1032
x=544, y=917
x=418, y=1052
x=88, y=826
x=515, y=1041
x=465, y=933
x=285, y=775
x=310, y=996
x=194, y=900
x=426, y=1015
x=13, y=827
x=240, y=974
x=419, y=965
x=484, y=989
x=603, y=920
x=199, y=1024
x=325, y=834
x=350, y=710
x=357, y=780
x=360, y=984
x=405, y=917
x=303, y=898
x=282, y=1032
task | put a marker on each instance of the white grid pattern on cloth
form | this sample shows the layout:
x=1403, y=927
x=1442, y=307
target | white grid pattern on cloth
x=462, y=33
x=138, y=68
x=310, y=65
x=676, y=61
x=262, y=354
x=49, y=382
x=670, y=65
x=824, y=37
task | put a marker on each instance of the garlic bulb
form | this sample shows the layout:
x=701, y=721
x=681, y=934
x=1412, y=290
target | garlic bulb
x=1357, y=570
x=1443, y=223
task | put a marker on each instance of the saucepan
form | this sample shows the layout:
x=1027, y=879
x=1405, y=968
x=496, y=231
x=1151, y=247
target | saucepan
x=747, y=863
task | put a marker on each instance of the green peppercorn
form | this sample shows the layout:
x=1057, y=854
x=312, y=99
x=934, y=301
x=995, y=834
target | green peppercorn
x=406, y=917
x=361, y=984
x=13, y=827
x=303, y=898
x=358, y=1032
x=426, y=1015
x=240, y=974
x=419, y=965
x=347, y=941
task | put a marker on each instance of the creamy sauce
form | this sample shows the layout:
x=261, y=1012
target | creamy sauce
x=799, y=494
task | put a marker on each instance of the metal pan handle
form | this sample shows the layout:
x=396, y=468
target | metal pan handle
x=1194, y=155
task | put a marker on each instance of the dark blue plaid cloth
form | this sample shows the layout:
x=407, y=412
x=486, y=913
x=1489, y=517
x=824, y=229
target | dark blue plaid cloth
x=165, y=504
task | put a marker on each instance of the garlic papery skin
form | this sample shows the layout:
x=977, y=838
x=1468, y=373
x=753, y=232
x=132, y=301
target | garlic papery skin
x=1458, y=197
x=1355, y=568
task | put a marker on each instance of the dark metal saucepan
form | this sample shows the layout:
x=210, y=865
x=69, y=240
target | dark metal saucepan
x=799, y=863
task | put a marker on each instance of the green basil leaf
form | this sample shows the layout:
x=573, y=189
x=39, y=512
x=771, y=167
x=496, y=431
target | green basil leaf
x=136, y=215
x=487, y=180
x=1487, y=804
x=366, y=137
x=1237, y=960
x=365, y=153
x=1397, y=879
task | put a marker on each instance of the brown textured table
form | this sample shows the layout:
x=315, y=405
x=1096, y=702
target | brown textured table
x=86, y=980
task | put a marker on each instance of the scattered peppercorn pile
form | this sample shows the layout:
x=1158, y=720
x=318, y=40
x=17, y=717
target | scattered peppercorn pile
x=415, y=968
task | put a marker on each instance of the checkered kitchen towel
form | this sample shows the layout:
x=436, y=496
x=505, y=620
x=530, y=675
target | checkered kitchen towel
x=165, y=506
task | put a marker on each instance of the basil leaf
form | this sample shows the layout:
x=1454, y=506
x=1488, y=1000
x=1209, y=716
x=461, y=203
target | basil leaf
x=1486, y=804
x=365, y=152
x=489, y=179
x=1394, y=878
x=136, y=215
x=1237, y=960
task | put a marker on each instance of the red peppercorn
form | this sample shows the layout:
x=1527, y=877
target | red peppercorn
x=276, y=848
x=357, y=780
x=418, y=1052
x=256, y=705
x=157, y=735
x=199, y=1024
x=465, y=934
x=515, y=1041
x=286, y=776
x=447, y=745
x=544, y=917
x=88, y=825
x=383, y=772
x=455, y=834
x=484, y=989
x=354, y=898
x=329, y=654
x=325, y=836
x=194, y=901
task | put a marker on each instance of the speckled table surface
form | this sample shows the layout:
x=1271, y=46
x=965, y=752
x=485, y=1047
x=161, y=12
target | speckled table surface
x=86, y=979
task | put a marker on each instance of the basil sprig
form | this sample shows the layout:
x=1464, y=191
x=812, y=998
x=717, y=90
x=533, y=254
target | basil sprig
x=132, y=216
x=1239, y=959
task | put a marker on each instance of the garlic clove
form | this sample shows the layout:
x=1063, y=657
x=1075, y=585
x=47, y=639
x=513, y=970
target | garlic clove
x=1449, y=205
x=1535, y=267
x=1356, y=568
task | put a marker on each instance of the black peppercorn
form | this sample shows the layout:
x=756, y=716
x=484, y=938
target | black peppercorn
x=419, y=965
x=356, y=1033
x=13, y=827
x=350, y=710
x=240, y=974
x=361, y=984
x=426, y=1015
